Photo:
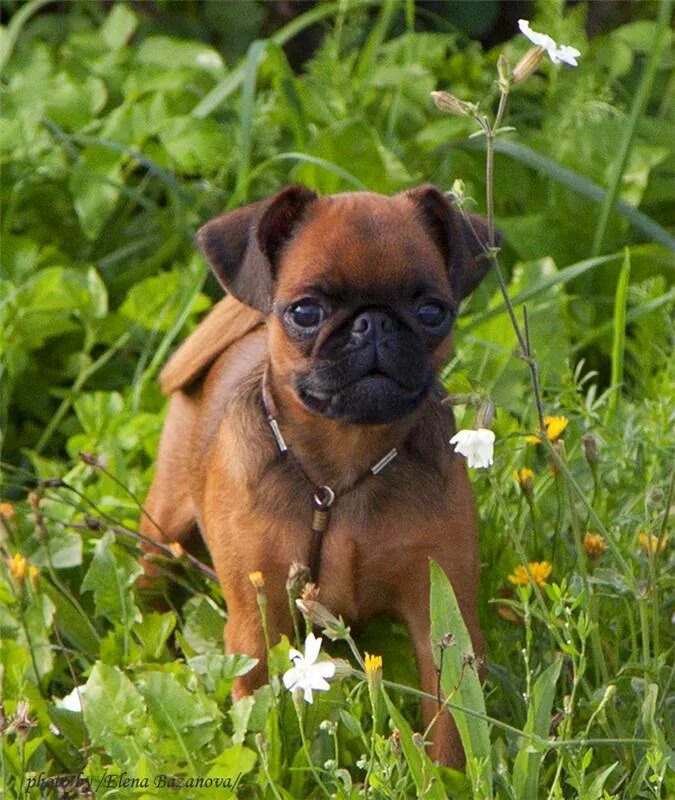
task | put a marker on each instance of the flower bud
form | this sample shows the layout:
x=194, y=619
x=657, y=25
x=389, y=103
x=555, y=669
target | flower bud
x=525, y=479
x=452, y=105
x=594, y=544
x=590, y=448
x=485, y=414
x=343, y=669
x=318, y=614
x=257, y=580
x=527, y=65
x=504, y=73
x=298, y=578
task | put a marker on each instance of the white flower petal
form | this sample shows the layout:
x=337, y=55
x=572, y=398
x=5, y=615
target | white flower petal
x=557, y=52
x=538, y=39
x=306, y=675
x=324, y=669
x=320, y=683
x=291, y=678
x=72, y=701
x=565, y=54
x=312, y=647
x=477, y=446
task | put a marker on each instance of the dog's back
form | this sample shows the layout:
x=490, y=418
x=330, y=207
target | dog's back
x=227, y=323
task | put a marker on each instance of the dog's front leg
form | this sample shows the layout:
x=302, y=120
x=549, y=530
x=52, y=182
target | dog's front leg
x=445, y=743
x=244, y=632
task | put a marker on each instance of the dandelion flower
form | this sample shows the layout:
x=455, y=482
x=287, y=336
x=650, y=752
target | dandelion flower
x=476, y=445
x=652, y=544
x=594, y=544
x=257, y=579
x=554, y=429
x=306, y=674
x=17, y=566
x=524, y=477
x=539, y=570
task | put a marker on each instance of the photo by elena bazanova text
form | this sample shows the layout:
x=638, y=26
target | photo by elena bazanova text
x=123, y=780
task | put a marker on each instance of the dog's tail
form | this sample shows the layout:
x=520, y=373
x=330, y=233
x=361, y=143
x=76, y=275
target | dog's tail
x=228, y=321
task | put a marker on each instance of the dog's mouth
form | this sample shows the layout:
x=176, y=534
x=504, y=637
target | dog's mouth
x=373, y=399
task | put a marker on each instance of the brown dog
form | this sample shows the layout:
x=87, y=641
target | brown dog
x=339, y=317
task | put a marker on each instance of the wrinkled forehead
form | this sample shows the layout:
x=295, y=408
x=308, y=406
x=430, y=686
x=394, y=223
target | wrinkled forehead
x=362, y=242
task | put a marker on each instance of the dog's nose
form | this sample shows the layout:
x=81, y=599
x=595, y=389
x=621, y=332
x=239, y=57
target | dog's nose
x=372, y=323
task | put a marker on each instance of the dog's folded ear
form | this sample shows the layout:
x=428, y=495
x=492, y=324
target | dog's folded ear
x=242, y=246
x=463, y=239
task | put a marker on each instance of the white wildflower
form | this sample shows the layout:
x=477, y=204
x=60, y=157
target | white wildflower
x=307, y=674
x=476, y=445
x=557, y=52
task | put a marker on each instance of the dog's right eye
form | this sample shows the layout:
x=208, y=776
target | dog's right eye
x=307, y=313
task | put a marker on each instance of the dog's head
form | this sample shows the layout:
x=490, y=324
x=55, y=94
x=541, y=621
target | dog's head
x=361, y=291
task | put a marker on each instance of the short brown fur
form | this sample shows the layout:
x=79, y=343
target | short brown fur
x=219, y=468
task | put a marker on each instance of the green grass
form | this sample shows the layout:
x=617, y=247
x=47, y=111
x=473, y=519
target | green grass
x=117, y=141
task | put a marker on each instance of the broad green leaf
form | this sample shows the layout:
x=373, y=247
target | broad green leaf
x=196, y=146
x=72, y=103
x=115, y=715
x=229, y=767
x=203, y=624
x=219, y=670
x=153, y=633
x=356, y=147
x=168, y=51
x=110, y=576
x=528, y=761
x=94, y=183
x=61, y=549
x=97, y=411
x=189, y=719
x=155, y=302
x=240, y=713
x=119, y=26
x=458, y=678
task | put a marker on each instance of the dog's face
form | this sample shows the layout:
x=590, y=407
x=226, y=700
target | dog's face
x=361, y=291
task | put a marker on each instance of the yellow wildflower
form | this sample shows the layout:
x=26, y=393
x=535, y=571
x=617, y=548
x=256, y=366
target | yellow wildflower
x=33, y=573
x=17, y=566
x=177, y=549
x=373, y=664
x=524, y=478
x=7, y=510
x=257, y=579
x=554, y=429
x=652, y=544
x=594, y=544
x=540, y=570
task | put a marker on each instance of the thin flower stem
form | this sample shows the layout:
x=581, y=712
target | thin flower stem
x=595, y=519
x=265, y=766
x=539, y=741
x=305, y=747
x=599, y=656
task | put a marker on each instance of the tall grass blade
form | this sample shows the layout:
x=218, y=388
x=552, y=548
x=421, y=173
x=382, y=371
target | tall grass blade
x=8, y=42
x=639, y=104
x=528, y=761
x=233, y=81
x=619, y=340
x=253, y=58
x=459, y=679
x=539, y=287
x=424, y=773
x=572, y=180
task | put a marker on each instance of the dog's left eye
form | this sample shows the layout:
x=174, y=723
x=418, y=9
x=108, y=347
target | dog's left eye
x=307, y=313
x=432, y=315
